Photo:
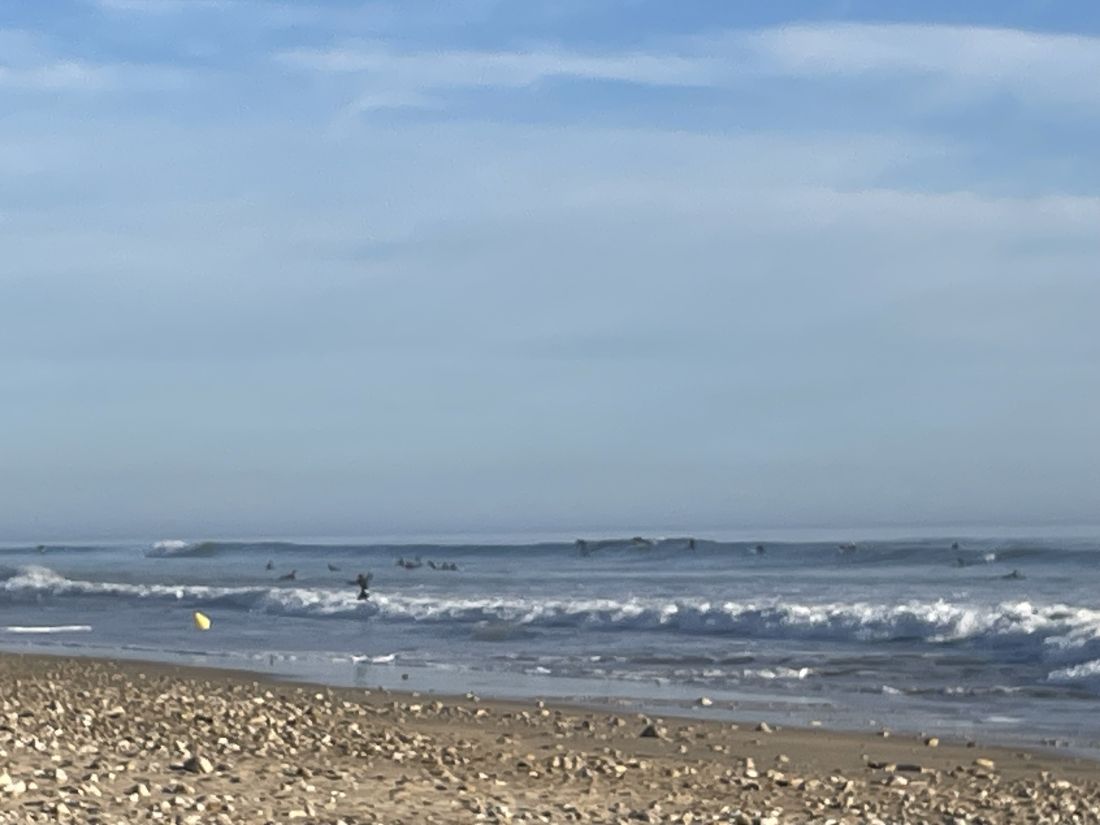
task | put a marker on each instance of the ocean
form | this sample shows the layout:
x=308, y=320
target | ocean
x=992, y=639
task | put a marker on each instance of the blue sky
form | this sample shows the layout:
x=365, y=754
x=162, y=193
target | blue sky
x=371, y=268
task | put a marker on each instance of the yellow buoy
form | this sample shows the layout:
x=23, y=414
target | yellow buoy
x=202, y=621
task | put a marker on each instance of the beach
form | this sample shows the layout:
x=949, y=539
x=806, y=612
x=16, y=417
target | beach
x=106, y=741
x=910, y=634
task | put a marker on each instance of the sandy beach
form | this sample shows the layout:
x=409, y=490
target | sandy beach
x=101, y=741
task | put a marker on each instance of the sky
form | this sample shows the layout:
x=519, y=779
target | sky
x=364, y=268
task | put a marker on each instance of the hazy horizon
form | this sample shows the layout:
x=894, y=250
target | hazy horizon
x=776, y=535
x=408, y=268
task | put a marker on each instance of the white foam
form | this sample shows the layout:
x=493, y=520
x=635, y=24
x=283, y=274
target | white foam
x=779, y=672
x=1064, y=634
x=58, y=628
x=1087, y=673
x=168, y=546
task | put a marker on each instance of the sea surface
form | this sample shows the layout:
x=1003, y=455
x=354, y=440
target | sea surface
x=995, y=639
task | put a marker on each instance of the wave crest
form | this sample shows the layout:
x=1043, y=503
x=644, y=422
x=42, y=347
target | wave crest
x=1060, y=632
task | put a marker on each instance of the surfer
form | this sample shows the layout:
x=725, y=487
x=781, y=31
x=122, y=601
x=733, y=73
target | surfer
x=363, y=580
x=289, y=577
x=270, y=565
x=691, y=544
x=954, y=545
x=333, y=567
x=1013, y=576
x=759, y=550
x=582, y=547
x=431, y=564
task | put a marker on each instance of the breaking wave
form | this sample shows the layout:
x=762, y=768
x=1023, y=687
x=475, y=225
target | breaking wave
x=1062, y=633
x=1085, y=675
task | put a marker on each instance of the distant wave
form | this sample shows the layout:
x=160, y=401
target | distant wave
x=922, y=553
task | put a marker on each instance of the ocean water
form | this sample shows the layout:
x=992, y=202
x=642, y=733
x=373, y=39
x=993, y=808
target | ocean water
x=998, y=639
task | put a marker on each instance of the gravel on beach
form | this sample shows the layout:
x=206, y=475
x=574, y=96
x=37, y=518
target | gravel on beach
x=101, y=741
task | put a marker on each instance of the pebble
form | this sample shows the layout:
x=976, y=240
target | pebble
x=198, y=764
x=252, y=754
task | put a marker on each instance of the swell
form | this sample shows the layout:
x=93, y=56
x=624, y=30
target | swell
x=1065, y=634
x=681, y=550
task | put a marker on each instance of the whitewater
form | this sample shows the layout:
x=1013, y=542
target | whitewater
x=997, y=638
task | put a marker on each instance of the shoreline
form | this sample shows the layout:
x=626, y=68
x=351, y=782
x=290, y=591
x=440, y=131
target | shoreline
x=123, y=740
x=742, y=710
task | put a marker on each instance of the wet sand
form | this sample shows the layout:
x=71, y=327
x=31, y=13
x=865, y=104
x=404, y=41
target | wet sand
x=102, y=741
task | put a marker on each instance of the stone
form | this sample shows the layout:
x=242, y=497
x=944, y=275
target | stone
x=198, y=764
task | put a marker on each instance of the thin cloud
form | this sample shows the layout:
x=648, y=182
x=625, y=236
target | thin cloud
x=65, y=75
x=962, y=61
x=499, y=69
x=161, y=6
x=29, y=63
x=80, y=76
x=1031, y=64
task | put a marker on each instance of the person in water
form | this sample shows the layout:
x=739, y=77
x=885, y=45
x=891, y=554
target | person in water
x=270, y=565
x=289, y=577
x=363, y=580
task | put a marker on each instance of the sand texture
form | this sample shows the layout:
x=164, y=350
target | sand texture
x=109, y=742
